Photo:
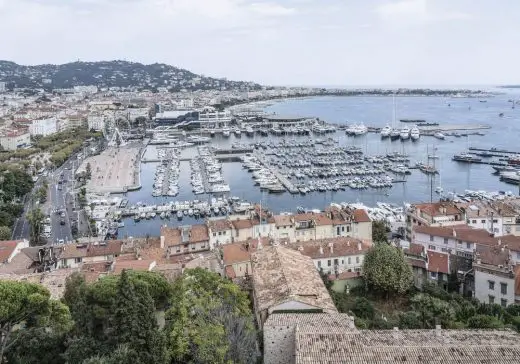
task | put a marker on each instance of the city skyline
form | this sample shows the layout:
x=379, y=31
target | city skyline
x=278, y=42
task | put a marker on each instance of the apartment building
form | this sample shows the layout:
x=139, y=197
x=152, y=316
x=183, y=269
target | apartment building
x=15, y=139
x=96, y=122
x=44, y=126
x=185, y=239
x=433, y=214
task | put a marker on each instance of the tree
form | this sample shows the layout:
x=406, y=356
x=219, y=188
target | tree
x=380, y=231
x=363, y=308
x=35, y=219
x=484, y=322
x=386, y=270
x=28, y=304
x=433, y=310
x=5, y=233
x=210, y=321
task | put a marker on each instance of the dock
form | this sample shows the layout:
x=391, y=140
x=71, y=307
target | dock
x=493, y=150
x=289, y=186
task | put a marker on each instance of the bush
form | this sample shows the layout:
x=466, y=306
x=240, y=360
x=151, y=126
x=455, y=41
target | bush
x=361, y=323
x=410, y=320
x=363, y=308
x=484, y=322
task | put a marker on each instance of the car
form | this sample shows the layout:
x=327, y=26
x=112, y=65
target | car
x=62, y=222
x=60, y=188
x=61, y=241
x=62, y=214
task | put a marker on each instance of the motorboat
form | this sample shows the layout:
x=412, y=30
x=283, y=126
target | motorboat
x=226, y=132
x=404, y=134
x=385, y=132
x=395, y=134
x=415, y=133
x=249, y=131
x=439, y=135
x=360, y=129
x=237, y=132
x=467, y=158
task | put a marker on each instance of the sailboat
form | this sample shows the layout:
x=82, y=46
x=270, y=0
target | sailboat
x=394, y=133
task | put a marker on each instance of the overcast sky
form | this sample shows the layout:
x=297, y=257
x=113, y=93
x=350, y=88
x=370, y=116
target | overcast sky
x=297, y=42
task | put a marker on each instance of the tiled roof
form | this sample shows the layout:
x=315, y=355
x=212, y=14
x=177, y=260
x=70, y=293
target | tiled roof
x=108, y=247
x=435, y=209
x=242, y=224
x=172, y=236
x=415, y=249
x=416, y=262
x=199, y=233
x=512, y=242
x=406, y=346
x=281, y=274
x=332, y=247
x=283, y=220
x=139, y=265
x=494, y=256
x=459, y=232
x=219, y=225
x=73, y=251
x=236, y=253
x=361, y=215
x=320, y=321
x=438, y=262
x=7, y=248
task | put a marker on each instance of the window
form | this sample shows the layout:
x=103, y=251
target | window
x=445, y=240
x=517, y=255
x=503, y=302
x=495, y=221
x=342, y=261
x=214, y=234
x=328, y=262
x=77, y=260
x=473, y=221
x=444, y=250
x=349, y=260
x=491, y=299
x=433, y=275
x=431, y=237
x=491, y=285
x=483, y=221
x=193, y=247
x=202, y=246
x=319, y=263
x=343, y=228
x=503, y=288
x=468, y=245
x=219, y=233
x=348, y=229
x=431, y=247
x=357, y=260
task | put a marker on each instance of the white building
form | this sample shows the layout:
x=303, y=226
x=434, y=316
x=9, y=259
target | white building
x=96, y=122
x=3, y=87
x=13, y=140
x=43, y=126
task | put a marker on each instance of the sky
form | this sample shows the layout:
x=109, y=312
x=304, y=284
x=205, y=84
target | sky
x=278, y=42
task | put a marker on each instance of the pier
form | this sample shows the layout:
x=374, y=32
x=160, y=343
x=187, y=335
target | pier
x=493, y=150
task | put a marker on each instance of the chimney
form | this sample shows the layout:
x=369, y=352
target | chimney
x=321, y=250
x=499, y=242
x=438, y=330
x=348, y=242
x=259, y=247
x=359, y=245
x=454, y=233
x=331, y=246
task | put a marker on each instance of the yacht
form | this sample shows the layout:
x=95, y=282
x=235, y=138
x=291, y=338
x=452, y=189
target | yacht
x=385, y=132
x=361, y=129
x=250, y=132
x=467, y=158
x=237, y=132
x=395, y=134
x=226, y=132
x=415, y=133
x=439, y=135
x=405, y=133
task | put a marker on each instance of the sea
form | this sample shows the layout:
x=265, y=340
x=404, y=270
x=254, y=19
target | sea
x=372, y=111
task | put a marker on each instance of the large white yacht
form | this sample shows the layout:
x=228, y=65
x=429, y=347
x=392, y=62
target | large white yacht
x=404, y=133
x=415, y=133
x=226, y=131
x=360, y=129
x=385, y=132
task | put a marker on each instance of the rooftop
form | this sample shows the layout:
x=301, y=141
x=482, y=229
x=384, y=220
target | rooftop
x=281, y=274
x=438, y=209
x=438, y=262
x=332, y=247
x=219, y=225
x=7, y=248
x=459, y=232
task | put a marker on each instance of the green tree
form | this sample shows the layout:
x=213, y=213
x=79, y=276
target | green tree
x=5, y=233
x=380, y=231
x=28, y=304
x=210, y=321
x=484, y=322
x=363, y=308
x=410, y=320
x=433, y=310
x=35, y=219
x=386, y=270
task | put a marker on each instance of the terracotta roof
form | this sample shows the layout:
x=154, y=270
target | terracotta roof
x=108, y=247
x=219, y=225
x=281, y=274
x=235, y=253
x=438, y=262
x=332, y=247
x=73, y=251
x=283, y=220
x=140, y=265
x=322, y=220
x=493, y=255
x=242, y=224
x=7, y=248
x=172, y=236
x=463, y=233
x=512, y=242
x=434, y=209
x=415, y=249
x=98, y=267
x=305, y=217
x=199, y=233
x=361, y=215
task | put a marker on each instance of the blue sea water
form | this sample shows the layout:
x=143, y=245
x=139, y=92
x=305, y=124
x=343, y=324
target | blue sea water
x=373, y=111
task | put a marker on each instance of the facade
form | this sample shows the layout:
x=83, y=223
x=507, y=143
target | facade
x=96, y=122
x=433, y=214
x=184, y=239
x=16, y=139
x=220, y=232
x=237, y=258
x=43, y=126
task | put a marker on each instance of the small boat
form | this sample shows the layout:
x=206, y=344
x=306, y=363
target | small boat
x=466, y=158
x=137, y=218
x=212, y=133
x=395, y=134
x=439, y=135
x=190, y=212
x=226, y=132
x=179, y=215
x=237, y=132
x=404, y=134
x=501, y=114
x=385, y=132
x=415, y=133
x=185, y=212
x=162, y=215
x=249, y=131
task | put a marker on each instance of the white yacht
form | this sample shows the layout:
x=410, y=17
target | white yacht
x=226, y=132
x=439, y=135
x=249, y=131
x=385, y=132
x=395, y=134
x=404, y=133
x=360, y=129
x=415, y=133
x=237, y=132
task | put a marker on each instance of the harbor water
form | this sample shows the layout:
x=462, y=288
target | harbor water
x=372, y=111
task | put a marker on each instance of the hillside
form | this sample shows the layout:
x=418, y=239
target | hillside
x=112, y=74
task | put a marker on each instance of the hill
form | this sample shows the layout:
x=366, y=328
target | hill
x=105, y=74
